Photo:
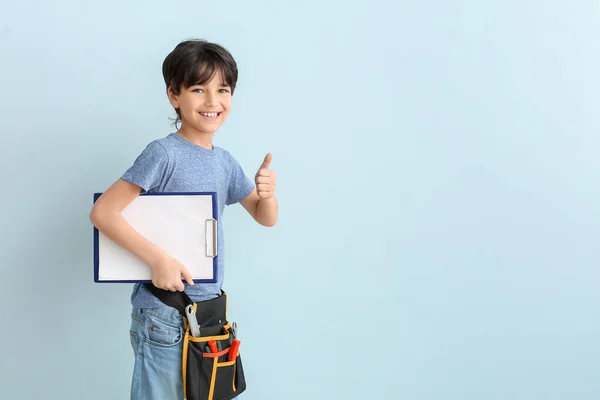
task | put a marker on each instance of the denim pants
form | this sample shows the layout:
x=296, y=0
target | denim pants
x=157, y=342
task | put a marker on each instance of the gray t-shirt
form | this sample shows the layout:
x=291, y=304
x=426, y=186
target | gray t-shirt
x=173, y=164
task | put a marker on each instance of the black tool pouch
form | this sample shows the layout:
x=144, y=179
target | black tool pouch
x=207, y=374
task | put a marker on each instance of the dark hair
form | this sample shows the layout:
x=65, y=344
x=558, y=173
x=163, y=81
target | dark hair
x=195, y=62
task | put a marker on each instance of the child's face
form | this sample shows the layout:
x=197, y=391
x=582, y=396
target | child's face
x=205, y=107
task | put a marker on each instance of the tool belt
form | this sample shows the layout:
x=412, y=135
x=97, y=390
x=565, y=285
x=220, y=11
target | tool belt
x=211, y=363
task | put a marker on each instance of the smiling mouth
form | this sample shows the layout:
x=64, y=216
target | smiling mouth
x=210, y=115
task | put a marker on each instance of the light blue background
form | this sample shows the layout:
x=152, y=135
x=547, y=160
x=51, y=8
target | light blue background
x=438, y=181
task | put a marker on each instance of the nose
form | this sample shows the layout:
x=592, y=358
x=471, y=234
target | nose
x=210, y=100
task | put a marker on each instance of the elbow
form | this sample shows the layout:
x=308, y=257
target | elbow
x=269, y=224
x=93, y=217
x=96, y=216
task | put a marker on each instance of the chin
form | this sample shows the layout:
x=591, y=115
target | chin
x=212, y=128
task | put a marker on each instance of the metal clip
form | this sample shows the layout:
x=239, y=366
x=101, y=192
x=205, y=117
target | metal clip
x=211, y=233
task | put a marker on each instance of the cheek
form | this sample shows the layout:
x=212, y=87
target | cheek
x=226, y=103
x=187, y=108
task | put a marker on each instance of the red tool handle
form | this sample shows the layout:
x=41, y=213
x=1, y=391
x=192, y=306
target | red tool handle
x=233, y=350
x=212, y=345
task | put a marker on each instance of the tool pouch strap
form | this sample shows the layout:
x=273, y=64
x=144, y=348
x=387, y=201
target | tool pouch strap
x=206, y=375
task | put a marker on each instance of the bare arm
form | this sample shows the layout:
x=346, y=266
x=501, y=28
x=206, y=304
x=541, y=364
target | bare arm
x=106, y=216
x=264, y=211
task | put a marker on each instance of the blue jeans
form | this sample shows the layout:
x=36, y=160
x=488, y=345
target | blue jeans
x=157, y=342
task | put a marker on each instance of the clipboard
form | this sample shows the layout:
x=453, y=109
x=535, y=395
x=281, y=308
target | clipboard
x=185, y=225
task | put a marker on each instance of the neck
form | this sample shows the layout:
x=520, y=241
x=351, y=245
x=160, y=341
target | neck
x=202, y=139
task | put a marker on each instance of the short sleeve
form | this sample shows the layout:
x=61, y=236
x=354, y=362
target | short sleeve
x=148, y=169
x=240, y=186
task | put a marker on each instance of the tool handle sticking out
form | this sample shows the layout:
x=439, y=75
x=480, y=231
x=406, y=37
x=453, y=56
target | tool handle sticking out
x=191, y=317
x=233, y=350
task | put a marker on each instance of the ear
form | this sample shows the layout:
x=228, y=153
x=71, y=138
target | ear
x=173, y=98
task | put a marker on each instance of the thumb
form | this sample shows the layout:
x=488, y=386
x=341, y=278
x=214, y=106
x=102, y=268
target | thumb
x=187, y=276
x=267, y=161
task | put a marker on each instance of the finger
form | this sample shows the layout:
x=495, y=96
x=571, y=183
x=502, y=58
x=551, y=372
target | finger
x=263, y=179
x=263, y=187
x=179, y=286
x=264, y=172
x=267, y=161
x=187, y=276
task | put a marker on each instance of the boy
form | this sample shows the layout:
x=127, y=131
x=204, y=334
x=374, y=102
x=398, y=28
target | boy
x=200, y=79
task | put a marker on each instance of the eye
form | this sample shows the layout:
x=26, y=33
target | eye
x=198, y=91
x=224, y=91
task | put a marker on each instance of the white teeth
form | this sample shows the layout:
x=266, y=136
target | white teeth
x=210, y=115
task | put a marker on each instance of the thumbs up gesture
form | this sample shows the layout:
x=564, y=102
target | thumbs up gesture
x=265, y=179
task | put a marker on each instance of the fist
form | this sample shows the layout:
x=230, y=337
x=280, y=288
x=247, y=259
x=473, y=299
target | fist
x=265, y=179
